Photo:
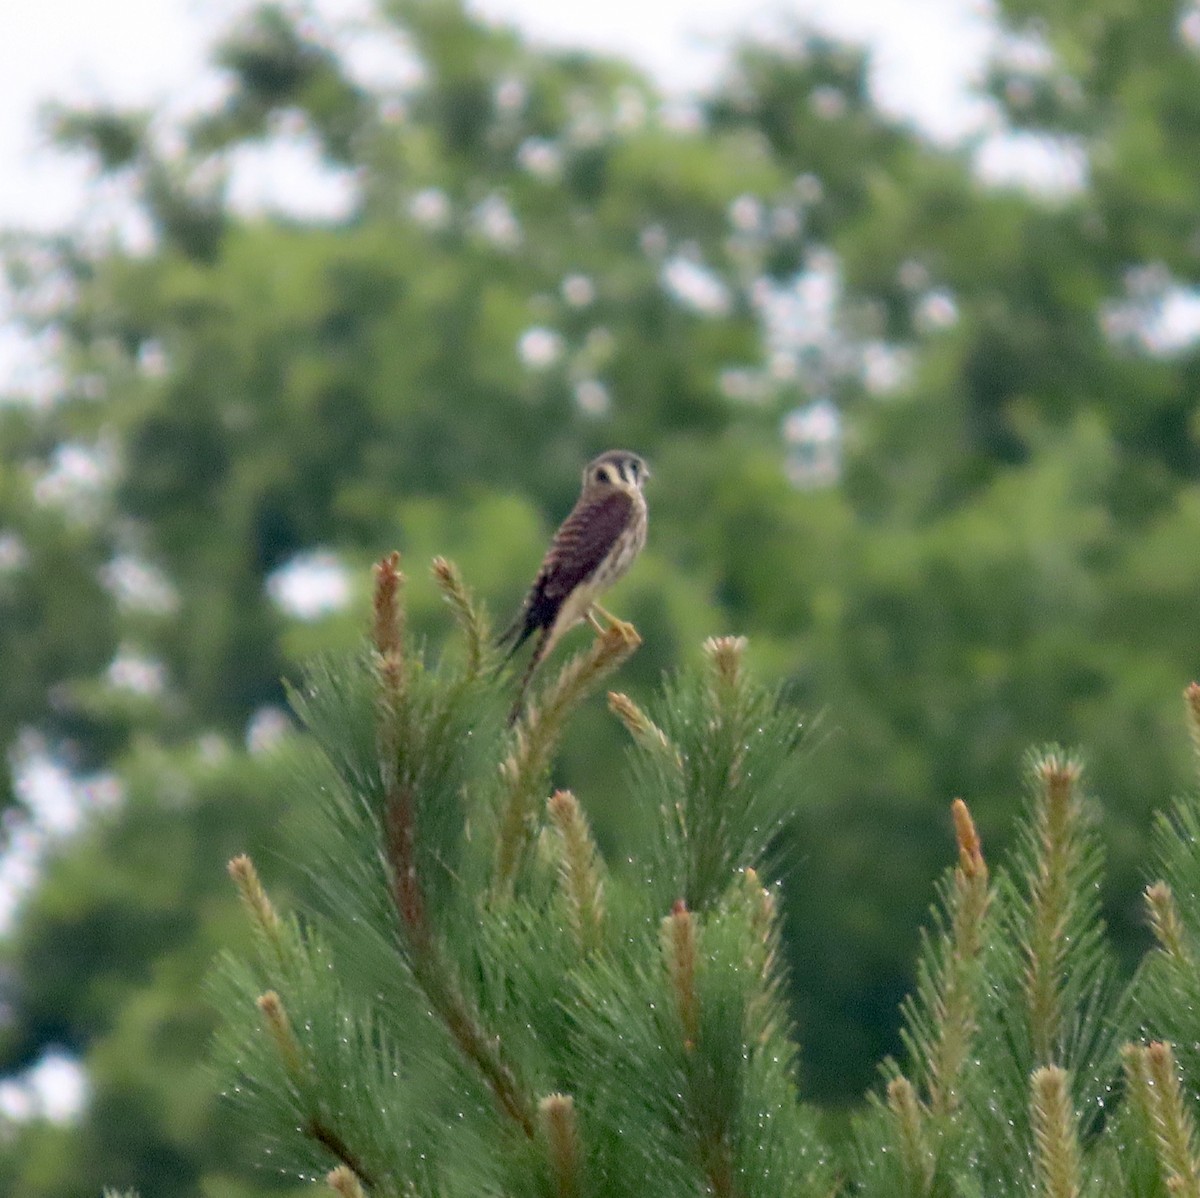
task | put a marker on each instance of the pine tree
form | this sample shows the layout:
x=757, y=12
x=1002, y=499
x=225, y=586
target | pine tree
x=476, y=1002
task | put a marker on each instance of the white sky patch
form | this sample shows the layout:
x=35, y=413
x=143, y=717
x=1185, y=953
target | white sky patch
x=54, y=803
x=266, y=729
x=936, y=311
x=430, y=207
x=539, y=348
x=311, y=585
x=77, y=476
x=54, y=1089
x=29, y=370
x=578, y=290
x=592, y=398
x=138, y=586
x=695, y=286
x=813, y=436
x=288, y=175
x=378, y=59
x=136, y=673
x=746, y=214
x=510, y=95
x=152, y=360
x=1156, y=314
x=799, y=314
x=1189, y=27
x=541, y=158
x=81, y=53
x=20, y=868
x=924, y=54
x=885, y=368
x=13, y=552
x=496, y=220
x=744, y=385
x=1051, y=167
x=1178, y=325
x=51, y=796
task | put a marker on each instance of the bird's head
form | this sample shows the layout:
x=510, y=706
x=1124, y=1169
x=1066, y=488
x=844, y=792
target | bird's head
x=617, y=469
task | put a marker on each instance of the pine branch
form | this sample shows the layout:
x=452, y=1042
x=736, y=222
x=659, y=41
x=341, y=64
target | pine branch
x=954, y=1013
x=642, y=728
x=399, y=813
x=719, y=757
x=263, y=916
x=469, y=616
x=711, y=1132
x=401, y=837
x=679, y=952
x=432, y=973
x=436, y=999
x=1191, y=697
x=387, y=631
x=580, y=873
x=929, y=1141
x=1051, y=899
x=280, y=1028
x=1168, y=993
x=1056, y=1159
x=762, y=959
x=430, y=969
x=344, y=1182
x=319, y=1131
x=909, y=1115
x=1167, y=925
x=292, y=1055
x=1153, y=1081
x=560, y=1130
x=477, y=1047
x=536, y=734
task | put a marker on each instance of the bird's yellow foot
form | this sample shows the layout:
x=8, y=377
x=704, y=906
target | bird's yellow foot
x=595, y=610
x=621, y=629
x=627, y=631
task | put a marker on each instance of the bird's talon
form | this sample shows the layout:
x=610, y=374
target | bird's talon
x=625, y=631
x=596, y=609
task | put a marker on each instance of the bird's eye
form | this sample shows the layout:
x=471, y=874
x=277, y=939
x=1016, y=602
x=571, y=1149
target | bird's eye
x=602, y=475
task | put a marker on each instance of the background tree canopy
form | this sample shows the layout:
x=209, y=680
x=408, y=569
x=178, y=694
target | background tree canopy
x=932, y=445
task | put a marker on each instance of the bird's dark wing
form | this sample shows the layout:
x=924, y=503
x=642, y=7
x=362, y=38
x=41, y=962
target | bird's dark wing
x=580, y=545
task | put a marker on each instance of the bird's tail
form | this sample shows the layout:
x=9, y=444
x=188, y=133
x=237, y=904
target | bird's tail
x=539, y=651
x=511, y=639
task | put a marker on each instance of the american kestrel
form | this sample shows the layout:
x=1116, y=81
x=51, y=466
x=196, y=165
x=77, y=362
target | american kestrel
x=594, y=546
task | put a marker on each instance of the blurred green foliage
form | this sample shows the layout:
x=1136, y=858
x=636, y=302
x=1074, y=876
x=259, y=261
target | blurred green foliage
x=1006, y=556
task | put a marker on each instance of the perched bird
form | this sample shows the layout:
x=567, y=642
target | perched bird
x=594, y=546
